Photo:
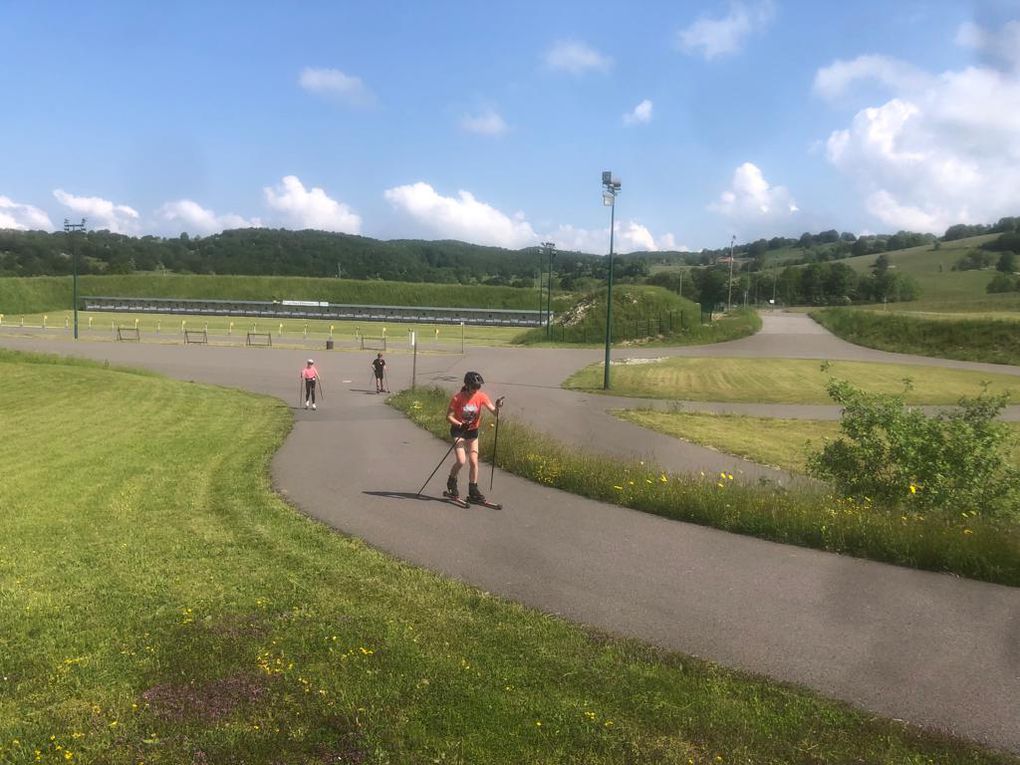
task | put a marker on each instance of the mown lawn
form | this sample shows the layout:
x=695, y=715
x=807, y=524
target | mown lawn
x=782, y=443
x=784, y=381
x=159, y=604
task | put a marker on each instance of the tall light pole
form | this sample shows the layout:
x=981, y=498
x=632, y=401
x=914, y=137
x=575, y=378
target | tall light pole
x=729, y=291
x=69, y=229
x=550, y=251
x=610, y=188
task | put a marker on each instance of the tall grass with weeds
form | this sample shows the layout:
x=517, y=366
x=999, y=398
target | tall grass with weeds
x=965, y=544
x=160, y=604
x=994, y=341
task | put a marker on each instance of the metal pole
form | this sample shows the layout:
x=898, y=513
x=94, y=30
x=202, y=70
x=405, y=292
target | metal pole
x=729, y=291
x=549, y=248
x=69, y=229
x=609, y=291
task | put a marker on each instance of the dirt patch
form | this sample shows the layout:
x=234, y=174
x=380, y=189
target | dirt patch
x=205, y=701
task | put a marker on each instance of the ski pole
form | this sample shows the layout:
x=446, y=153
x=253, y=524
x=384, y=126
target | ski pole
x=495, y=444
x=300, y=390
x=437, y=467
x=322, y=389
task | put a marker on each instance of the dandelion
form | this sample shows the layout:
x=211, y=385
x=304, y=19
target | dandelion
x=663, y=478
x=720, y=485
x=913, y=489
x=968, y=531
x=617, y=487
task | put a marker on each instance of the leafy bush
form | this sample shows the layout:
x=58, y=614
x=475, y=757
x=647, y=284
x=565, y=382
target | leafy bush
x=1002, y=282
x=952, y=462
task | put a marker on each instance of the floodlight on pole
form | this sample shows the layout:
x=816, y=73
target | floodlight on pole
x=69, y=230
x=610, y=188
x=729, y=291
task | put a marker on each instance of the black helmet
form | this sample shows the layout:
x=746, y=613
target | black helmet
x=473, y=380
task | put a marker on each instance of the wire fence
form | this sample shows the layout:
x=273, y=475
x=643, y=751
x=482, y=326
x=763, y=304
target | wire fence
x=657, y=325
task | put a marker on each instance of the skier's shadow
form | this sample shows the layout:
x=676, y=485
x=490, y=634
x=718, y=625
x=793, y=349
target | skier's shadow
x=404, y=495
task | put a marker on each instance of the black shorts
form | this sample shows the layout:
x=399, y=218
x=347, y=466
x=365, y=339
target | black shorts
x=467, y=435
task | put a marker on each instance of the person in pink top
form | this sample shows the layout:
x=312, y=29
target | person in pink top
x=465, y=417
x=311, y=376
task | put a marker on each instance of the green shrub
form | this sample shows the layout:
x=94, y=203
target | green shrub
x=949, y=462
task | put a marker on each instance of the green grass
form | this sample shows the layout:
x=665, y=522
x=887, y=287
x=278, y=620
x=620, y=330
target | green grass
x=991, y=340
x=161, y=605
x=783, y=381
x=805, y=515
x=169, y=327
x=642, y=315
x=782, y=443
x=46, y=293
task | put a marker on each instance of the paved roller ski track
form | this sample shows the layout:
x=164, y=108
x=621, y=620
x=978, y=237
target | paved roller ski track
x=931, y=649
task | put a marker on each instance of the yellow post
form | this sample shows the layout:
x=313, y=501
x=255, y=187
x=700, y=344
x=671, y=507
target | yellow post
x=2, y=319
x=66, y=324
x=136, y=323
x=437, y=333
x=183, y=322
x=23, y=321
x=306, y=330
x=90, y=322
x=230, y=329
x=330, y=331
x=281, y=329
x=158, y=324
x=44, y=321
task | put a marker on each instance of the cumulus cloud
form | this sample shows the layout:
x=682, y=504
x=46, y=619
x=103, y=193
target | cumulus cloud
x=468, y=219
x=23, y=217
x=101, y=213
x=336, y=85
x=640, y=114
x=195, y=219
x=833, y=81
x=1001, y=45
x=944, y=148
x=462, y=217
x=489, y=122
x=576, y=58
x=710, y=37
x=311, y=208
x=629, y=236
x=751, y=197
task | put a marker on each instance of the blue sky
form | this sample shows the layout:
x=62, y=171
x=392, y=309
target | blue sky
x=492, y=123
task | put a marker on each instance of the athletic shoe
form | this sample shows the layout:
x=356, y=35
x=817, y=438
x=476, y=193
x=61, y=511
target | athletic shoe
x=306, y=405
x=313, y=406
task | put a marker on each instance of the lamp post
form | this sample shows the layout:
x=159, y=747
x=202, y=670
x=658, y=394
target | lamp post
x=610, y=188
x=729, y=291
x=550, y=251
x=69, y=229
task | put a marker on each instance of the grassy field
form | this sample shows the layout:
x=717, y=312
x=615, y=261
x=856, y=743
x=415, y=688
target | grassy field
x=169, y=327
x=46, y=293
x=783, y=381
x=161, y=605
x=992, y=340
x=778, y=442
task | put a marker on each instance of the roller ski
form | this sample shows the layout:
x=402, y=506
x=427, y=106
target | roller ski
x=453, y=494
x=475, y=497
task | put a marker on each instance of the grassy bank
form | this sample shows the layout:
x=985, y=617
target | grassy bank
x=800, y=515
x=782, y=443
x=990, y=340
x=161, y=605
x=642, y=315
x=782, y=381
x=46, y=293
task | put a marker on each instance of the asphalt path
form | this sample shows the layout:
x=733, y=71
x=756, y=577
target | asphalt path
x=931, y=649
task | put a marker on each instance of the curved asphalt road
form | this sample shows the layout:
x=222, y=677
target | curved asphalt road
x=931, y=649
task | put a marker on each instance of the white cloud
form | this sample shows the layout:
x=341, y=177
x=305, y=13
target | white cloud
x=641, y=114
x=23, y=217
x=334, y=84
x=311, y=208
x=832, y=81
x=462, y=217
x=751, y=197
x=466, y=218
x=101, y=213
x=1002, y=45
x=195, y=219
x=488, y=122
x=719, y=37
x=629, y=236
x=576, y=58
x=944, y=148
